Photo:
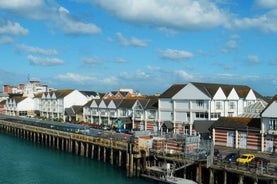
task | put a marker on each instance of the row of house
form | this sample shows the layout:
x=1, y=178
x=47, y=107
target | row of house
x=231, y=115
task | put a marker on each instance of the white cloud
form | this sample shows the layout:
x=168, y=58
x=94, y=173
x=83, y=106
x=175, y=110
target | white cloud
x=36, y=50
x=70, y=26
x=5, y=39
x=266, y=3
x=131, y=42
x=91, y=61
x=253, y=59
x=186, y=15
x=232, y=44
x=44, y=61
x=74, y=77
x=265, y=22
x=176, y=54
x=51, y=12
x=120, y=60
x=184, y=75
x=12, y=28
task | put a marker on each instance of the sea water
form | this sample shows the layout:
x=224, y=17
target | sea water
x=26, y=162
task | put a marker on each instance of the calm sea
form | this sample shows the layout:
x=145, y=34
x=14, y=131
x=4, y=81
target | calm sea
x=25, y=162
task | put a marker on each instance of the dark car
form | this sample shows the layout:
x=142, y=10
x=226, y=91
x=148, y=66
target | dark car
x=231, y=157
x=258, y=162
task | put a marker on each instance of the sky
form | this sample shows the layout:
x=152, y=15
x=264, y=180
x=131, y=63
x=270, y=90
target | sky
x=144, y=45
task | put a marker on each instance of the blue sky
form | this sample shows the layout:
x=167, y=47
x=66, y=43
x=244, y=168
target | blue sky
x=146, y=45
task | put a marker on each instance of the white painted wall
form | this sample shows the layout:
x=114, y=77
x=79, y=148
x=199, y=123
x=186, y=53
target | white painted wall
x=74, y=98
x=28, y=104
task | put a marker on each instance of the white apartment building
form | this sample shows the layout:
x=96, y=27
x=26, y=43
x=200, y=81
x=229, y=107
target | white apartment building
x=52, y=104
x=182, y=104
x=269, y=127
x=19, y=106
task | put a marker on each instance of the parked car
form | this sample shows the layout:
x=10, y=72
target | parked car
x=245, y=158
x=258, y=162
x=95, y=125
x=231, y=157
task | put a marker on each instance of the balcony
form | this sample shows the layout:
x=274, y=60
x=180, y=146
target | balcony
x=272, y=132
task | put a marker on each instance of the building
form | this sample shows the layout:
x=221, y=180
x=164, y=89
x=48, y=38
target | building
x=181, y=104
x=20, y=106
x=269, y=127
x=237, y=132
x=53, y=104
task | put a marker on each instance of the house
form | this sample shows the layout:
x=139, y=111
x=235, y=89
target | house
x=19, y=106
x=237, y=132
x=269, y=127
x=74, y=114
x=145, y=113
x=53, y=104
x=182, y=104
x=121, y=93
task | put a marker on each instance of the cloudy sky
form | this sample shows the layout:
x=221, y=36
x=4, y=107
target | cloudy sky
x=146, y=45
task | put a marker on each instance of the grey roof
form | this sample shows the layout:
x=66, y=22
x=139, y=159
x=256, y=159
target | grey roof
x=172, y=90
x=202, y=126
x=73, y=110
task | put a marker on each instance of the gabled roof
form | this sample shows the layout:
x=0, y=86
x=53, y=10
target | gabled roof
x=237, y=123
x=172, y=90
x=274, y=98
x=127, y=103
x=117, y=102
x=89, y=93
x=59, y=93
x=88, y=103
x=18, y=99
x=152, y=103
x=73, y=110
x=210, y=89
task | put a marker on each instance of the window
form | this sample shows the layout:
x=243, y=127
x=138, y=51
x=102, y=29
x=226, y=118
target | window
x=201, y=115
x=232, y=105
x=200, y=103
x=218, y=105
x=273, y=124
x=215, y=115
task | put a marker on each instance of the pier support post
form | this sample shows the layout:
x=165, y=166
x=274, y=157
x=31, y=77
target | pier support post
x=76, y=147
x=92, y=151
x=240, y=179
x=138, y=167
x=70, y=145
x=82, y=149
x=119, y=158
x=104, y=154
x=87, y=147
x=58, y=143
x=99, y=151
x=225, y=177
x=111, y=156
x=62, y=144
x=199, y=173
x=127, y=163
x=211, y=176
x=131, y=165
